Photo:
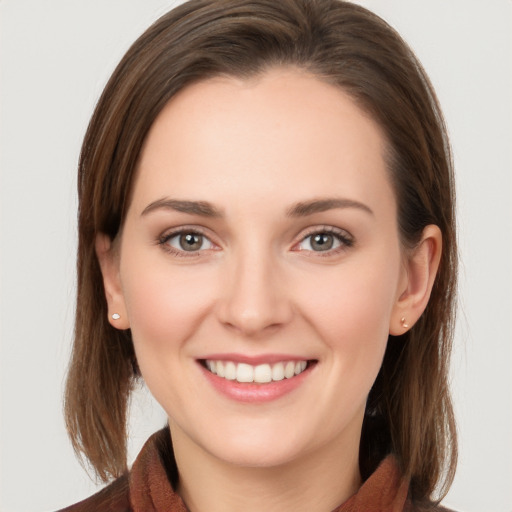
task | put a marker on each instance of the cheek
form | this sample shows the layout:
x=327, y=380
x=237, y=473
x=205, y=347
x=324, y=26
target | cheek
x=164, y=307
x=353, y=301
x=165, y=304
x=350, y=310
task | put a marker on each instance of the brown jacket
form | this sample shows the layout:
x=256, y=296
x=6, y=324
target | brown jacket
x=148, y=488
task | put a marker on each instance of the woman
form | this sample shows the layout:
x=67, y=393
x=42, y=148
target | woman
x=266, y=237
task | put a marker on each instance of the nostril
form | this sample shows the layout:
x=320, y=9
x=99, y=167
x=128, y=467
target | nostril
x=253, y=301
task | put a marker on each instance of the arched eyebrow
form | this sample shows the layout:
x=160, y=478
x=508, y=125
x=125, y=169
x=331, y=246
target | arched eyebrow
x=202, y=208
x=207, y=209
x=303, y=209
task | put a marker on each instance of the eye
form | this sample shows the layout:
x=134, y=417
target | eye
x=186, y=241
x=327, y=240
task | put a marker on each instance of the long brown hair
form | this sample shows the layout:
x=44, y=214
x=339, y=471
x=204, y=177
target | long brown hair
x=409, y=411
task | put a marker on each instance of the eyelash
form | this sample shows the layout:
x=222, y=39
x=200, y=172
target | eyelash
x=165, y=238
x=343, y=237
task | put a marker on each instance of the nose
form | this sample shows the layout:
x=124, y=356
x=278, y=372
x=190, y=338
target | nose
x=254, y=300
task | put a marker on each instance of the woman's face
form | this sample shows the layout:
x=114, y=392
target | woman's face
x=261, y=244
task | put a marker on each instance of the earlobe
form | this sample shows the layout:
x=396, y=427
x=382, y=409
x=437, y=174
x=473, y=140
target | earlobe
x=420, y=271
x=108, y=259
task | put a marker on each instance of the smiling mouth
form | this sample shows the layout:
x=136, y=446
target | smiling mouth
x=258, y=374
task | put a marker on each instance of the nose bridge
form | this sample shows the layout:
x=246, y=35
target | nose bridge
x=255, y=298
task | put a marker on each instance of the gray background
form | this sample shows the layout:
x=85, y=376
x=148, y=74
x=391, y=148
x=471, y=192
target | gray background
x=56, y=55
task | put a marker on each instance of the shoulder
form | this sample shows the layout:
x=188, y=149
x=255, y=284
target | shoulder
x=115, y=497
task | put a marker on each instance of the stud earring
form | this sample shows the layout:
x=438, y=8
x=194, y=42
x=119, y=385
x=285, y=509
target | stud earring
x=403, y=322
x=116, y=316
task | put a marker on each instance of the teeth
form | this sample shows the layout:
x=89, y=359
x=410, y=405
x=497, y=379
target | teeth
x=245, y=373
x=278, y=371
x=261, y=374
x=289, y=370
x=211, y=366
x=230, y=370
x=300, y=366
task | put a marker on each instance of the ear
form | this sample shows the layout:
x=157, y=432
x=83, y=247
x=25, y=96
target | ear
x=108, y=257
x=420, y=269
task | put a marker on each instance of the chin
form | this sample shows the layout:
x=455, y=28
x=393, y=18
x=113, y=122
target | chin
x=253, y=455
x=258, y=447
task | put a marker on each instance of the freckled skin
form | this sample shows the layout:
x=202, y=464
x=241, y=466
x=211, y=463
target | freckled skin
x=253, y=149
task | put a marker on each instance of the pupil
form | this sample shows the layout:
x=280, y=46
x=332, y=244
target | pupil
x=191, y=242
x=322, y=242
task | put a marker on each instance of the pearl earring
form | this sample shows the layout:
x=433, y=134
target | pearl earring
x=116, y=316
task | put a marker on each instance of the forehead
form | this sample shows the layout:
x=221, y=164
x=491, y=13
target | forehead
x=284, y=130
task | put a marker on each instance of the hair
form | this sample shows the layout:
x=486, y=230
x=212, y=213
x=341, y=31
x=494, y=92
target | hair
x=409, y=411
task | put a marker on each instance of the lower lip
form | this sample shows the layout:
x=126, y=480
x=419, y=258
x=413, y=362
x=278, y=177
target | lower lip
x=256, y=393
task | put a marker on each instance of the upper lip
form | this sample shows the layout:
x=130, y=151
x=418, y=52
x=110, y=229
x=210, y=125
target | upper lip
x=255, y=360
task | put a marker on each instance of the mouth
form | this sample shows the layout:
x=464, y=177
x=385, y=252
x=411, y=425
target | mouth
x=256, y=374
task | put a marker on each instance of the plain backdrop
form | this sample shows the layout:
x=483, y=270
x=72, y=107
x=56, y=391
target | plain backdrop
x=56, y=56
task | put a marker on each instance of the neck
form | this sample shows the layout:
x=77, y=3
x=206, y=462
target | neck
x=321, y=480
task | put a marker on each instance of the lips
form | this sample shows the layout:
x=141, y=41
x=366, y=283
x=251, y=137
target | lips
x=260, y=373
x=256, y=379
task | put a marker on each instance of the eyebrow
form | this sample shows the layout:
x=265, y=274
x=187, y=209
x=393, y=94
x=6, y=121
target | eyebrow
x=303, y=209
x=203, y=208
